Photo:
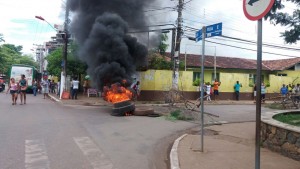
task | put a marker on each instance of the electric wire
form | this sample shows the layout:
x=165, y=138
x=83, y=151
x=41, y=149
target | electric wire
x=251, y=49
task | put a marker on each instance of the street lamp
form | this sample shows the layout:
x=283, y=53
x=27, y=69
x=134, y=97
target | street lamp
x=63, y=86
x=41, y=18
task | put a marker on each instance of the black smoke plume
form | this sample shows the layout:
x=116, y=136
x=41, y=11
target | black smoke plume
x=101, y=29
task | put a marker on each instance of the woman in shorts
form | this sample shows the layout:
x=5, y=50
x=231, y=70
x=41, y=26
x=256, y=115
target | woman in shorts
x=13, y=88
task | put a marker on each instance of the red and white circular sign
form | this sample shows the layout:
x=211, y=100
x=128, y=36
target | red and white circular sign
x=257, y=9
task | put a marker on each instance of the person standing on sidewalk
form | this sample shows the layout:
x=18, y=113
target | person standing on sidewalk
x=23, y=87
x=85, y=86
x=13, y=88
x=283, y=90
x=45, y=87
x=75, y=84
x=237, y=87
x=263, y=92
x=34, y=87
x=254, y=92
x=208, y=90
x=58, y=88
x=216, y=89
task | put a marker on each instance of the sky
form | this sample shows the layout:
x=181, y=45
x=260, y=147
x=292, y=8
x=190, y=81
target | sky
x=20, y=27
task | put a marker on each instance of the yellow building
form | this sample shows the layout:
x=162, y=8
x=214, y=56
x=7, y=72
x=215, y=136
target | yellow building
x=156, y=83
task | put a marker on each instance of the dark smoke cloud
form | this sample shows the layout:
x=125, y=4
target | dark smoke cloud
x=100, y=27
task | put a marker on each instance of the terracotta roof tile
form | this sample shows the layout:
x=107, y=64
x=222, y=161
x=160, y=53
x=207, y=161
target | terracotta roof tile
x=238, y=63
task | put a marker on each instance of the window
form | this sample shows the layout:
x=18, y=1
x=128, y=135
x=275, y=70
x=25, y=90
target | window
x=262, y=79
x=196, y=75
x=213, y=77
x=281, y=74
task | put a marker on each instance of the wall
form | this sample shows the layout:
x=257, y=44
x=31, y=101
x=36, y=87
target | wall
x=154, y=82
x=161, y=80
x=281, y=140
x=228, y=80
x=276, y=83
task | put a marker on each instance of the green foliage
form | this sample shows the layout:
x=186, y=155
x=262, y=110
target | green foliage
x=285, y=19
x=14, y=48
x=54, y=62
x=293, y=119
x=178, y=115
x=159, y=62
x=11, y=54
x=181, y=65
x=74, y=66
x=175, y=113
x=196, y=82
x=162, y=47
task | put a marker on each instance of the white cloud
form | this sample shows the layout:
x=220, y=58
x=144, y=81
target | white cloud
x=198, y=13
x=19, y=25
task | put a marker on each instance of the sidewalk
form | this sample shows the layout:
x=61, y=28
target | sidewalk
x=228, y=146
x=98, y=101
x=83, y=100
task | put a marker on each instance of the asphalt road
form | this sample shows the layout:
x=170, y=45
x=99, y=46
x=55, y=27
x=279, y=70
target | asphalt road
x=46, y=135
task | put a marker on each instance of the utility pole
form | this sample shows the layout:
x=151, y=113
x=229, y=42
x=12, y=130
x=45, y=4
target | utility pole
x=173, y=47
x=63, y=80
x=65, y=52
x=177, y=45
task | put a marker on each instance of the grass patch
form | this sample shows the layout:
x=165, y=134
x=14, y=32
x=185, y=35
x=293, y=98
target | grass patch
x=292, y=119
x=178, y=115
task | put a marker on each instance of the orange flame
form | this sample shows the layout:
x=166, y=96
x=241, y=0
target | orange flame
x=117, y=93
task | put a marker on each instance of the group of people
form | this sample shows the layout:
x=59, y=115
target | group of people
x=237, y=87
x=16, y=88
x=292, y=89
x=211, y=90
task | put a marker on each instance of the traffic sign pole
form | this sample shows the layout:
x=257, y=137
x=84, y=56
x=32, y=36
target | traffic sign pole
x=205, y=32
x=258, y=96
x=202, y=90
x=256, y=10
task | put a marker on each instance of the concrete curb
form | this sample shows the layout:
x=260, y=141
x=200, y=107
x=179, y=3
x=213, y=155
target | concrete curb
x=53, y=98
x=174, y=161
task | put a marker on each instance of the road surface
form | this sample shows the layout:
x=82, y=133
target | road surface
x=48, y=135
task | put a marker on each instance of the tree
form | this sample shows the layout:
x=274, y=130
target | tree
x=159, y=62
x=291, y=20
x=14, y=48
x=162, y=47
x=75, y=67
x=54, y=62
x=11, y=54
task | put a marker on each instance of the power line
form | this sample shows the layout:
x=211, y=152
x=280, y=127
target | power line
x=265, y=44
x=251, y=49
x=253, y=42
x=159, y=9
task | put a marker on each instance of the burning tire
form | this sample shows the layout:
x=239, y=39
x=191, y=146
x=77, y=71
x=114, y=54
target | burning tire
x=121, y=108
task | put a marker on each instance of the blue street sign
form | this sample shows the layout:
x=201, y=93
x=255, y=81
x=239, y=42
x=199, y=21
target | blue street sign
x=198, y=35
x=211, y=30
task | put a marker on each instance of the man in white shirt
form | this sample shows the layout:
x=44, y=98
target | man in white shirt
x=75, y=84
